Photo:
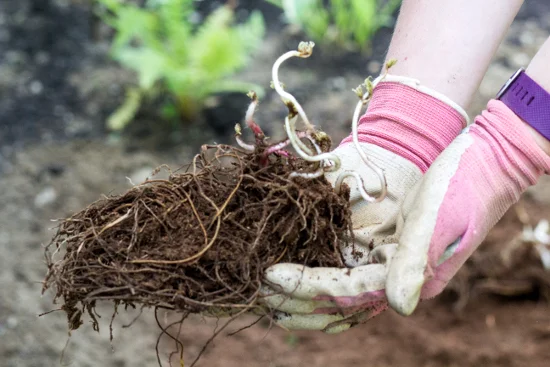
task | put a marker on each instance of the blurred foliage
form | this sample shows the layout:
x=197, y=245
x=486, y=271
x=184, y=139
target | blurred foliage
x=292, y=340
x=172, y=55
x=347, y=23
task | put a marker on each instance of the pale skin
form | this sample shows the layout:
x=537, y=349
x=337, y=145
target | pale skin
x=448, y=45
x=538, y=71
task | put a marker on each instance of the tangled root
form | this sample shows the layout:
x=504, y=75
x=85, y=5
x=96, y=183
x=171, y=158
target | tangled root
x=199, y=241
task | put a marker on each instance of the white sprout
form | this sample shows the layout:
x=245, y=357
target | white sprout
x=366, y=160
x=320, y=171
x=242, y=144
x=304, y=50
x=277, y=147
x=330, y=161
x=364, y=98
x=294, y=139
x=249, y=120
x=249, y=116
x=308, y=175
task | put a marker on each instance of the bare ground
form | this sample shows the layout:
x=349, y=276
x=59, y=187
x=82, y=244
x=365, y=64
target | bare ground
x=45, y=178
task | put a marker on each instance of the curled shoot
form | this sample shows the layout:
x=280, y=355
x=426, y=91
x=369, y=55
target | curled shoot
x=329, y=161
x=249, y=117
x=249, y=120
x=242, y=144
x=326, y=158
x=364, y=97
x=360, y=183
x=305, y=49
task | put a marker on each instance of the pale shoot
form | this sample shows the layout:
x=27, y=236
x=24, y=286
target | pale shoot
x=328, y=161
x=364, y=98
x=331, y=162
x=249, y=117
x=242, y=144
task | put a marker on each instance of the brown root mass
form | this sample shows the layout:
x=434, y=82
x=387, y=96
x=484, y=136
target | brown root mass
x=199, y=241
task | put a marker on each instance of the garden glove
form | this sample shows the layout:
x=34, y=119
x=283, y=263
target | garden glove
x=405, y=128
x=462, y=196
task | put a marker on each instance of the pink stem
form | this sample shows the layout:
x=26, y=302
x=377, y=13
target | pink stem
x=256, y=129
x=283, y=153
x=277, y=147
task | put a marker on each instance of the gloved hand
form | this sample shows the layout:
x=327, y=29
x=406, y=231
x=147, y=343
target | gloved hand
x=405, y=128
x=462, y=196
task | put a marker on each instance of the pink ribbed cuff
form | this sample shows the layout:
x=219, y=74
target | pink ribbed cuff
x=508, y=127
x=409, y=123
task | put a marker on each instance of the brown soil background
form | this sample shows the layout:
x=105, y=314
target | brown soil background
x=53, y=164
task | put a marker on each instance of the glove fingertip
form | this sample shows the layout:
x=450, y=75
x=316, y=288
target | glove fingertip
x=284, y=273
x=337, y=329
x=403, y=286
x=403, y=299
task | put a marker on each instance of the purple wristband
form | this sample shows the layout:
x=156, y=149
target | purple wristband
x=528, y=100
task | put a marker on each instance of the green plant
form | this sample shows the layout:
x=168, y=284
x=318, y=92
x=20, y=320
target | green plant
x=172, y=55
x=292, y=340
x=349, y=23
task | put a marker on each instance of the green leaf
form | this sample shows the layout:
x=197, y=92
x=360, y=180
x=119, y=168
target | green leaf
x=126, y=112
x=219, y=49
x=112, y=5
x=181, y=80
x=131, y=23
x=169, y=111
x=214, y=48
x=365, y=21
x=298, y=11
x=160, y=44
x=317, y=24
x=251, y=33
x=149, y=64
x=174, y=15
x=345, y=21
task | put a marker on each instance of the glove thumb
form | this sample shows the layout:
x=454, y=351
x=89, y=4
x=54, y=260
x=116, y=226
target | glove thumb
x=424, y=244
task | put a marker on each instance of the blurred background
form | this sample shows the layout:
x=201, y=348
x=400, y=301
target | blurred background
x=95, y=92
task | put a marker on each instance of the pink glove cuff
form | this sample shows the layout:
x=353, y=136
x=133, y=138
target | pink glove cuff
x=506, y=128
x=409, y=123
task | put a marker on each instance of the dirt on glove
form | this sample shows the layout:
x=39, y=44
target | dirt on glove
x=201, y=240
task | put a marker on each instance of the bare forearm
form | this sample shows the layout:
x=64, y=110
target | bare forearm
x=448, y=44
x=538, y=70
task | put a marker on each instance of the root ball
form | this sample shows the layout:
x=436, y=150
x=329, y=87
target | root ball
x=202, y=239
